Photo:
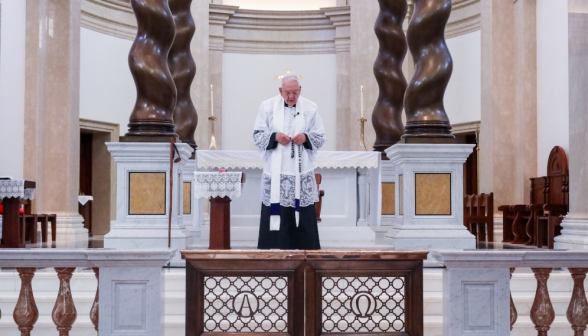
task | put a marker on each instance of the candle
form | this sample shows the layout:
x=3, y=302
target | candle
x=211, y=101
x=361, y=90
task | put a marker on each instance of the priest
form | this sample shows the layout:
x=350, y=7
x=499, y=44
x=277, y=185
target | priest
x=289, y=131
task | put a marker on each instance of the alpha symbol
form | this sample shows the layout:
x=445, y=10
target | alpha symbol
x=245, y=304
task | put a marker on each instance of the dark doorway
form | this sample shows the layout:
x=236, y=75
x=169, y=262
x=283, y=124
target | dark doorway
x=470, y=167
x=85, y=210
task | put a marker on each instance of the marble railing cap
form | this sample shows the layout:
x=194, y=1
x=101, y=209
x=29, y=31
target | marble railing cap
x=84, y=257
x=302, y=254
x=512, y=258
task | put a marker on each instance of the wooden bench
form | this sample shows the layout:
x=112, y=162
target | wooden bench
x=478, y=216
x=538, y=223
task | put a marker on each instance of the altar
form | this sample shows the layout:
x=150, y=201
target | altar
x=351, y=205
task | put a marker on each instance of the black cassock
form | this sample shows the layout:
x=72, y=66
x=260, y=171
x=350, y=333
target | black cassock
x=290, y=237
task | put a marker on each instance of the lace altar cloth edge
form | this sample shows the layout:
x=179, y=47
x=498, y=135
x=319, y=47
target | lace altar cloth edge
x=253, y=160
x=214, y=184
x=15, y=188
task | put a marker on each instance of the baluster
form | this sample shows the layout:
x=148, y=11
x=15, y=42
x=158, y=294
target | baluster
x=94, y=310
x=25, y=313
x=542, y=313
x=64, y=312
x=577, y=313
x=513, y=310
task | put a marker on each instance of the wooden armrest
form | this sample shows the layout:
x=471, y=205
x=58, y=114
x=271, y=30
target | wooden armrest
x=535, y=207
x=555, y=209
x=504, y=208
x=519, y=207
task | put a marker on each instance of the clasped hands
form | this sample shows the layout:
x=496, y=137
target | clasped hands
x=283, y=139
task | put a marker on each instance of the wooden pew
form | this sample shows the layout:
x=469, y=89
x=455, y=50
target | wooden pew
x=478, y=216
x=538, y=223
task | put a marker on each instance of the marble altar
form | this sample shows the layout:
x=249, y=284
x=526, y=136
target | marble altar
x=351, y=206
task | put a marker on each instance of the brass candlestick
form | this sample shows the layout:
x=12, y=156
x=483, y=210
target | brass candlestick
x=212, y=138
x=361, y=134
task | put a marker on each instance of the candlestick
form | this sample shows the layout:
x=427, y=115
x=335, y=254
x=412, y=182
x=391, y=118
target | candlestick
x=211, y=101
x=362, y=146
x=361, y=90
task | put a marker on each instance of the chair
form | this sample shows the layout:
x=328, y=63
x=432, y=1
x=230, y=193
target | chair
x=478, y=216
x=29, y=224
x=318, y=205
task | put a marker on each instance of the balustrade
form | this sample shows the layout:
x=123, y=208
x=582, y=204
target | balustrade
x=126, y=279
x=476, y=293
x=304, y=292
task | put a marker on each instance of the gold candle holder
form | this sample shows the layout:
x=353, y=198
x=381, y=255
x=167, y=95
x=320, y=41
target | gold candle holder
x=212, y=138
x=361, y=134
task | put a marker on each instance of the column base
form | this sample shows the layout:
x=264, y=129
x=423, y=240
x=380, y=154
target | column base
x=127, y=237
x=574, y=234
x=70, y=230
x=427, y=238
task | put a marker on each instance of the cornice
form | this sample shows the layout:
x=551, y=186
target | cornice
x=465, y=18
x=281, y=32
x=467, y=127
x=111, y=17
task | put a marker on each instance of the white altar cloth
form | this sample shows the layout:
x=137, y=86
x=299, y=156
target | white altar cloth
x=364, y=201
x=15, y=188
x=208, y=159
x=214, y=184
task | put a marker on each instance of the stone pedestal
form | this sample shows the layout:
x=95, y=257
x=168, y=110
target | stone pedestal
x=191, y=205
x=142, y=194
x=429, y=197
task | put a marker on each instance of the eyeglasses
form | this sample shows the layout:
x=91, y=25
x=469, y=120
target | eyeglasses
x=291, y=93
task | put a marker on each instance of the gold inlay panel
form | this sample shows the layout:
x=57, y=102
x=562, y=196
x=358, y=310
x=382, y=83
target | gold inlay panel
x=187, y=198
x=388, y=198
x=433, y=194
x=146, y=193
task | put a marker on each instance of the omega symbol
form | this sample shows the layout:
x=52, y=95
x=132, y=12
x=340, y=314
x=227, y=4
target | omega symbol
x=363, y=304
x=245, y=304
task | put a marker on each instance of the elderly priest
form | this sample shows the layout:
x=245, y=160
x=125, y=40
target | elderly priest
x=289, y=131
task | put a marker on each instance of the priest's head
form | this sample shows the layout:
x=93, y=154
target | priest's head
x=290, y=89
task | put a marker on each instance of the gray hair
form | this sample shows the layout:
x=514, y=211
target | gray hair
x=290, y=77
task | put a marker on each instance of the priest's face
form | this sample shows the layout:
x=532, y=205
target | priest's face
x=290, y=91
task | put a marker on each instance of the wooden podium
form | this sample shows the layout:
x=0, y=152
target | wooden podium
x=11, y=192
x=219, y=187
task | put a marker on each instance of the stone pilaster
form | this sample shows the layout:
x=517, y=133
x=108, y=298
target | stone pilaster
x=52, y=112
x=575, y=225
x=508, y=126
x=218, y=17
x=341, y=19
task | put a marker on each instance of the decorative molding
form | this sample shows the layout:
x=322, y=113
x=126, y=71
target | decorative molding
x=465, y=18
x=340, y=18
x=467, y=127
x=110, y=17
x=281, y=32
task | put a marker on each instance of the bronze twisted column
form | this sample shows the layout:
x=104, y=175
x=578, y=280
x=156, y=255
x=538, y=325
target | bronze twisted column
x=426, y=119
x=156, y=90
x=183, y=70
x=387, y=114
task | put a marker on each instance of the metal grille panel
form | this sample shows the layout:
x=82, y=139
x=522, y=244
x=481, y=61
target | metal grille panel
x=363, y=304
x=245, y=304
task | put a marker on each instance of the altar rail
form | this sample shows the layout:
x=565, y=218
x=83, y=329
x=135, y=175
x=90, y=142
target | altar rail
x=128, y=297
x=304, y=292
x=476, y=290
